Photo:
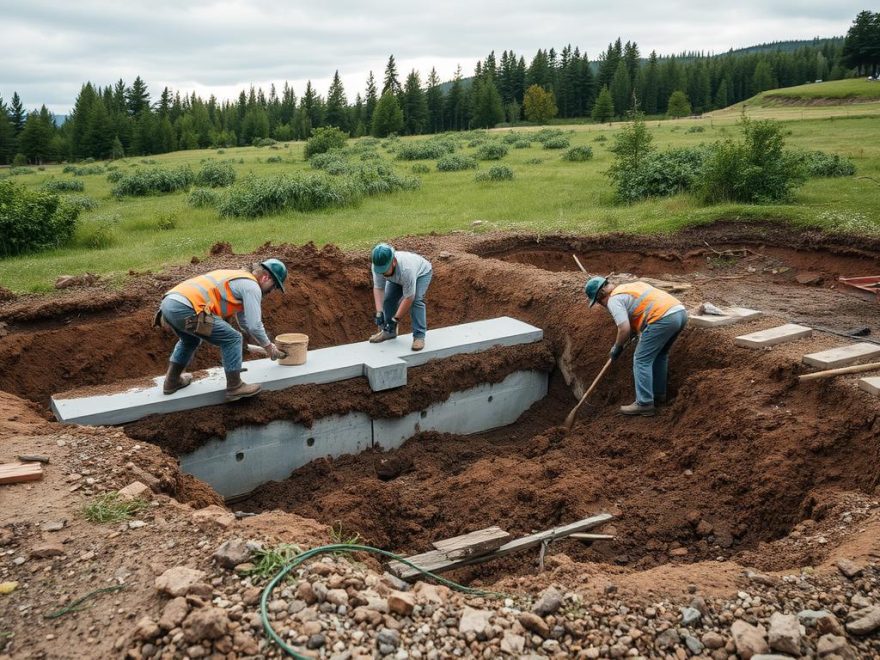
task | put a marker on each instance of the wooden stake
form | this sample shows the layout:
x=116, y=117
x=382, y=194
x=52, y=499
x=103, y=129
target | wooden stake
x=830, y=373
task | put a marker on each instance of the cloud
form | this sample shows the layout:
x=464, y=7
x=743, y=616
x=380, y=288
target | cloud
x=221, y=46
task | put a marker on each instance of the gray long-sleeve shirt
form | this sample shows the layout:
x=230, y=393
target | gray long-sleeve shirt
x=410, y=267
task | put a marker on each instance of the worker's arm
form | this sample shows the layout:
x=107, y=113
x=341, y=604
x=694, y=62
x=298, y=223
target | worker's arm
x=404, y=306
x=623, y=333
x=617, y=309
x=251, y=317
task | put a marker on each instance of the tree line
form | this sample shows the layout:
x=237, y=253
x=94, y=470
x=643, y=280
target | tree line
x=123, y=120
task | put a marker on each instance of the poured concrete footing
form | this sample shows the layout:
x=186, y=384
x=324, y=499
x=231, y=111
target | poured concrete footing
x=250, y=456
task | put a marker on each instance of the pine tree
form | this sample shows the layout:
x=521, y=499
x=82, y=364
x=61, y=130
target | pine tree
x=138, y=98
x=7, y=137
x=721, y=95
x=608, y=62
x=486, y=104
x=631, y=57
x=456, y=107
x=35, y=140
x=98, y=138
x=17, y=114
x=388, y=117
x=337, y=105
x=391, y=83
x=678, y=105
x=621, y=89
x=434, y=100
x=762, y=79
x=539, y=72
x=651, y=88
x=371, y=99
x=415, y=105
x=603, y=109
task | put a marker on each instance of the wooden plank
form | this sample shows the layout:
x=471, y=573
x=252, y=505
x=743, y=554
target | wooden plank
x=12, y=473
x=437, y=561
x=593, y=537
x=474, y=543
x=842, y=356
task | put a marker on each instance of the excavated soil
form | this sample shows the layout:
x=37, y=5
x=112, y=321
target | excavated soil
x=740, y=457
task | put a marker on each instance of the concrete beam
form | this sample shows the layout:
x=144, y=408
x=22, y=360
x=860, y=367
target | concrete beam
x=870, y=385
x=734, y=315
x=773, y=336
x=843, y=356
x=384, y=365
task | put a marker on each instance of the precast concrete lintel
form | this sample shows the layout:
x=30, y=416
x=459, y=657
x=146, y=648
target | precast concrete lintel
x=380, y=363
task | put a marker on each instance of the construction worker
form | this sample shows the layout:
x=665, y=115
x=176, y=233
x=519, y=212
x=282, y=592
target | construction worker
x=400, y=281
x=201, y=308
x=658, y=318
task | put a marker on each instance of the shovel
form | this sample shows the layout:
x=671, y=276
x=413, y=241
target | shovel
x=569, y=421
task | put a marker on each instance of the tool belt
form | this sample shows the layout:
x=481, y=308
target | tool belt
x=201, y=324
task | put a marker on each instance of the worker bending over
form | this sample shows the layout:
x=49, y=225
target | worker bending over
x=201, y=308
x=658, y=318
x=400, y=281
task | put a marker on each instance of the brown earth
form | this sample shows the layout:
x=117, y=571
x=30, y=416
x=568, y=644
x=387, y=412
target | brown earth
x=744, y=464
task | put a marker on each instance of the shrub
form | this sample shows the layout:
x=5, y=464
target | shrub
x=513, y=137
x=68, y=169
x=522, y=144
x=32, y=220
x=456, y=162
x=558, y=142
x=89, y=170
x=578, y=154
x=600, y=138
x=202, y=197
x=696, y=129
x=495, y=173
x=631, y=145
x=370, y=155
x=263, y=142
x=154, y=181
x=63, y=185
x=325, y=139
x=420, y=168
x=145, y=161
x=167, y=221
x=19, y=160
x=754, y=171
x=332, y=162
x=548, y=134
x=81, y=202
x=378, y=178
x=221, y=151
x=821, y=164
x=492, y=151
x=661, y=174
x=98, y=234
x=17, y=170
x=114, y=177
x=215, y=175
x=255, y=197
x=274, y=159
x=426, y=150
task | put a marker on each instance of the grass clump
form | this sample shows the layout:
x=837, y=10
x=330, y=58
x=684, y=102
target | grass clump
x=89, y=170
x=377, y=178
x=259, y=196
x=264, y=142
x=201, y=198
x=534, y=161
x=154, y=181
x=601, y=138
x=695, y=129
x=456, y=163
x=110, y=508
x=821, y=164
x=332, y=162
x=215, y=175
x=578, y=154
x=522, y=144
x=63, y=185
x=114, y=176
x=33, y=220
x=426, y=150
x=492, y=151
x=81, y=202
x=495, y=173
x=268, y=562
x=558, y=142
x=18, y=171
x=420, y=168
x=99, y=233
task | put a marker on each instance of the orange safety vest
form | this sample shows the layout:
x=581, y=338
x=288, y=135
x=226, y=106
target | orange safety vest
x=651, y=303
x=211, y=292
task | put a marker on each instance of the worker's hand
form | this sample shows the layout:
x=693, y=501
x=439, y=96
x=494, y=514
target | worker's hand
x=273, y=352
x=616, y=350
x=380, y=319
x=391, y=326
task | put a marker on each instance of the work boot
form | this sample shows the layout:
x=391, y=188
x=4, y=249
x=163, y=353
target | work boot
x=237, y=389
x=418, y=343
x=175, y=379
x=646, y=409
x=381, y=336
x=660, y=399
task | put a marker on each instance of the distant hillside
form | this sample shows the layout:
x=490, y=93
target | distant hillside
x=787, y=46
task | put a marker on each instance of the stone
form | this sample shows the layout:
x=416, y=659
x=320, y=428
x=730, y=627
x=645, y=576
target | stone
x=828, y=624
x=177, y=581
x=712, y=640
x=431, y=593
x=678, y=552
x=694, y=645
x=233, y=552
x=53, y=525
x=667, y=639
x=842, y=356
x=473, y=620
x=749, y=640
x=401, y=602
x=784, y=634
x=146, y=629
x=809, y=617
x=868, y=622
x=46, y=550
x=213, y=516
x=388, y=637
x=136, y=524
x=773, y=336
x=849, y=568
x=871, y=385
x=336, y=597
x=395, y=582
x=205, y=623
x=549, y=602
x=808, y=278
x=690, y=616
x=201, y=590
x=512, y=644
x=6, y=536
x=704, y=528
x=834, y=645
x=305, y=593
x=135, y=490
x=174, y=613
x=315, y=641
x=245, y=643
x=770, y=656
x=533, y=623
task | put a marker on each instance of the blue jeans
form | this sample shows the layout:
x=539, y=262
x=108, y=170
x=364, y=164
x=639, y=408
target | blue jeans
x=418, y=311
x=651, y=359
x=222, y=335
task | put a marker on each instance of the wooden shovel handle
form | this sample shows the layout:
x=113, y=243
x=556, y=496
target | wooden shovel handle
x=569, y=421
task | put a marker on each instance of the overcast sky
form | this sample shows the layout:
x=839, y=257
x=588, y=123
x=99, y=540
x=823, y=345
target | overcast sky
x=210, y=46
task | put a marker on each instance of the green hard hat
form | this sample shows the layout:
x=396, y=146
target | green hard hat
x=383, y=255
x=593, y=287
x=277, y=270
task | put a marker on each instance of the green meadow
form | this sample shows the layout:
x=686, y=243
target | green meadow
x=547, y=194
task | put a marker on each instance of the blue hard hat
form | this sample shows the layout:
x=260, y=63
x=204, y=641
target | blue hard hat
x=277, y=270
x=593, y=287
x=383, y=255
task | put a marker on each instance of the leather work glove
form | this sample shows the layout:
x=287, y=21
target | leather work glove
x=615, y=352
x=380, y=319
x=274, y=352
x=391, y=326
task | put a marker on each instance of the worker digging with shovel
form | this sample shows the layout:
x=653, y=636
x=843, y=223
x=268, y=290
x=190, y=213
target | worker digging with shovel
x=200, y=308
x=658, y=318
x=400, y=281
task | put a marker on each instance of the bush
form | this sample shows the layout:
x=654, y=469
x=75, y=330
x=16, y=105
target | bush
x=68, y=169
x=332, y=162
x=87, y=171
x=263, y=142
x=420, y=168
x=378, y=178
x=426, y=150
x=522, y=144
x=32, y=220
x=492, y=151
x=754, y=171
x=661, y=174
x=98, y=234
x=821, y=164
x=63, y=185
x=456, y=162
x=324, y=140
x=255, y=197
x=513, y=137
x=20, y=160
x=548, y=134
x=115, y=176
x=154, y=181
x=81, y=202
x=370, y=155
x=578, y=154
x=201, y=198
x=274, y=159
x=495, y=173
x=600, y=138
x=215, y=175
x=167, y=221
x=695, y=129
x=16, y=171
x=145, y=161
x=558, y=142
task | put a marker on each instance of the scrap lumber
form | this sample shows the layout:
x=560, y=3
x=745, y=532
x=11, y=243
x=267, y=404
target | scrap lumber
x=473, y=544
x=13, y=473
x=859, y=368
x=593, y=537
x=437, y=561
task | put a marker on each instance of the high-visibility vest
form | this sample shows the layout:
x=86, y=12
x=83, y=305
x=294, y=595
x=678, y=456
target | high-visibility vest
x=211, y=292
x=651, y=303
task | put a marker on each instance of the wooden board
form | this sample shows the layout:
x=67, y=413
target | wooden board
x=473, y=544
x=842, y=356
x=13, y=473
x=436, y=561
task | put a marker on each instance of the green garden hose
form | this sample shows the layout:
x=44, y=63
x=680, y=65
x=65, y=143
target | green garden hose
x=346, y=548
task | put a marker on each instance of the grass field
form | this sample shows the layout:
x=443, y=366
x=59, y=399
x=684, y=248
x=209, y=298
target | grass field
x=859, y=89
x=550, y=196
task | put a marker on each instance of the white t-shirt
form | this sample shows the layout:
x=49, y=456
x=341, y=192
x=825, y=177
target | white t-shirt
x=410, y=267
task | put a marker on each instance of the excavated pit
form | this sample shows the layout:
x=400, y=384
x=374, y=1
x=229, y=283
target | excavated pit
x=741, y=455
